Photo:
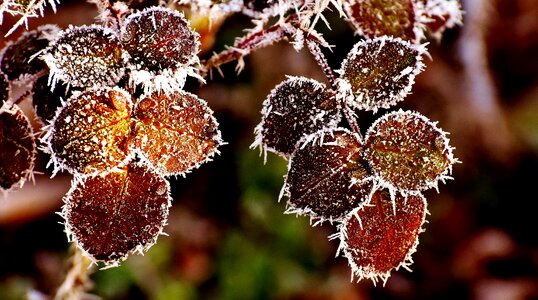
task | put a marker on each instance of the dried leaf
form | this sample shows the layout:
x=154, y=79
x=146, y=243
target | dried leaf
x=86, y=56
x=17, y=148
x=440, y=15
x=116, y=213
x=380, y=72
x=17, y=58
x=176, y=132
x=376, y=18
x=327, y=176
x=296, y=107
x=377, y=237
x=89, y=134
x=408, y=151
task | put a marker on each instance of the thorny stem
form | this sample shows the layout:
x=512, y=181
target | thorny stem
x=313, y=47
x=77, y=280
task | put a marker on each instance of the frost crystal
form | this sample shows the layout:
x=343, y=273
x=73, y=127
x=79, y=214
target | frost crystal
x=408, y=151
x=86, y=56
x=116, y=213
x=327, y=176
x=176, y=132
x=296, y=107
x=377, y=240
x=89, y=134
x=380, y=72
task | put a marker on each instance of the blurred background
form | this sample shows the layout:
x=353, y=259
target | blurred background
x=227, y=235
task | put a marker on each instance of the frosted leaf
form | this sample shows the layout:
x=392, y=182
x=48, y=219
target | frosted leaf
x=176, y=132
x=117, y=213
x=17, y=58
x=440, y=15
x=86, y=56
x=47, y=101
x=17, y=148
x=327, y=176
x=408, y=151
x=5, y=89
x=376, y=238
x=159, y=38
x=296, y=107
x=376, y=18
x=380, y=72
x=89, y=134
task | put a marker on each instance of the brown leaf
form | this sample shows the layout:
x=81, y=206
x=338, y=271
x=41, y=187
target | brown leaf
x=116, y=213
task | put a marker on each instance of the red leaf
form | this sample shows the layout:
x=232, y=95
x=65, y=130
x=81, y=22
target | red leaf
x=116, y=213
x=17, y=148
x=176, y=132
x=327, y=176
x=376, y=238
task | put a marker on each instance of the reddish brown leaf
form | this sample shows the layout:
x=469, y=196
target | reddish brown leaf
x=90, y=133
x=16, y=59
x=327, y=176
x=159, y=38
x=17, y=148
x=380, y=72
x=116, y=213
x=176, y=132
x=408, y=151
x=296, y=107
x=376, y=18
x=377, y=238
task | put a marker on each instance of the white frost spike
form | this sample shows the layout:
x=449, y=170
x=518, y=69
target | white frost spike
x=32, y=9
x=380, y=72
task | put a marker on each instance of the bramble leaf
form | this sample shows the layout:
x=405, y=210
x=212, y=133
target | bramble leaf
x=296, y=107
x=86, y=56
x=159, y=38
x=47, y=102
x=176, y=132
x=18, y=148
x=113, y=214
x=327, y=176
x=408, y=151
x=377, y=238
x=89, y=133
x=380, y=72
x=376, y=18
x=17, y=58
